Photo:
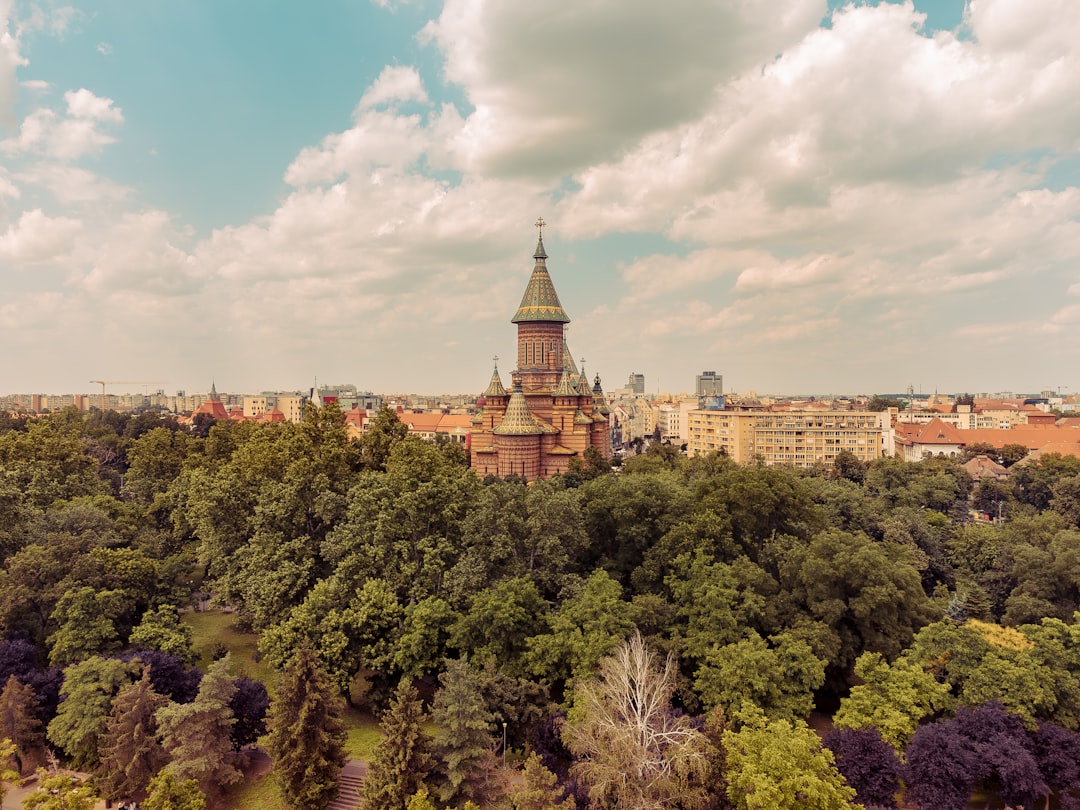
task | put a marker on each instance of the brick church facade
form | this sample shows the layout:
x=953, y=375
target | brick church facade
x=550, y=414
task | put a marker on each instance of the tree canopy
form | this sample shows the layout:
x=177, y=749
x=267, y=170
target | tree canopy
x=762, y=593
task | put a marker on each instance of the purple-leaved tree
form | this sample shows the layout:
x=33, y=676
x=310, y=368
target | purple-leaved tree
x=249, y=705
x=941, y=769
x=169, y=675
x=868, y=763
x=1057, y=750
x=1002, y=752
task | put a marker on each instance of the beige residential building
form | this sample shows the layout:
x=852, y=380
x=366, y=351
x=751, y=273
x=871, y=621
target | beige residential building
x=254, y=407
x=798, y=438
x=292, y=407
x=729, y=432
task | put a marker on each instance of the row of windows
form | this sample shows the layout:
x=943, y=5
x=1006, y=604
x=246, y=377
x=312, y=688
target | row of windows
x=814, y=436
x=769, y=424
x=817, y=427
x=777, y=447
x=537, y=351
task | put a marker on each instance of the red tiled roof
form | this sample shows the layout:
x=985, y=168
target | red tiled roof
x=436, y=422
x=421, y=422
x=933, y=432
x=1061, y=448
x=983, y=467
x=213, y=407
x=1030, y=436
x=455, y=420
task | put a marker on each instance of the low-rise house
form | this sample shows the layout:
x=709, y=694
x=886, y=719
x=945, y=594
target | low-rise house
x=982, y=468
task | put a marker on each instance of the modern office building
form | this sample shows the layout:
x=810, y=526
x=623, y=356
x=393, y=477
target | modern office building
x=709, y=384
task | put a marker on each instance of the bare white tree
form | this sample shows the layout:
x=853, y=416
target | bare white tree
x=632, y=750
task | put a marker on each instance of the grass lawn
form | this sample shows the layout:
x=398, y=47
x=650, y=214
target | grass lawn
x=213, y=626
x=261, y=793
x=364, y=734
x=210, y=627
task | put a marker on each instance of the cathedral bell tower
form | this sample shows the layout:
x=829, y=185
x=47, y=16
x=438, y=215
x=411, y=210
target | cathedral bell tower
x=550, y=416
x=540, y=319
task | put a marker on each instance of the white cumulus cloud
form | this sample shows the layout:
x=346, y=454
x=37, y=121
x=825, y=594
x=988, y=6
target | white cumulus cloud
x=36, y=238
x=557, y=86
x=66, y=137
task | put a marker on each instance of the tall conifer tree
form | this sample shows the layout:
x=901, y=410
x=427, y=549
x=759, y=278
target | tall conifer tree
x=18, y=722
x=463, y=744
x=196, y=734
x=401, y=761
x=131, y=751
x=307, y=736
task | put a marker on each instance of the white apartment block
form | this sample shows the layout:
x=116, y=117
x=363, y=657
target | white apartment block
x=798, y=438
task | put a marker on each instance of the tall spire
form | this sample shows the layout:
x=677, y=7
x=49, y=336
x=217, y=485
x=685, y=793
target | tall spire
x=495, y=387
x=567, y=386
x=583, y=381
x=540, y=254
x=213, y=391
x=540, y=302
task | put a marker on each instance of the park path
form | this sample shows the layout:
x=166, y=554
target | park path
x=349, y=781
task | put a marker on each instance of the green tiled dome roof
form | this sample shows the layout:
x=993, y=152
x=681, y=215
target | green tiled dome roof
x=540, y=302
x=518, y=421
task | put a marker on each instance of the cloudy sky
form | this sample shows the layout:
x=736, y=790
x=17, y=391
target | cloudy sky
x=803, y=196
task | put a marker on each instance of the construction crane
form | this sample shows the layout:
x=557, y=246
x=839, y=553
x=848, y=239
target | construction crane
x=103, y=383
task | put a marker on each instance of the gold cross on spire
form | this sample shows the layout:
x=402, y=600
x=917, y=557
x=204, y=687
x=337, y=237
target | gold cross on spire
x=496, y=359
x=540, y=225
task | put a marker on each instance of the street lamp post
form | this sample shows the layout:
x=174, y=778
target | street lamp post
x=504, y=745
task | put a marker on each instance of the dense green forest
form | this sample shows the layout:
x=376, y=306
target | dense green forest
x=654, y=636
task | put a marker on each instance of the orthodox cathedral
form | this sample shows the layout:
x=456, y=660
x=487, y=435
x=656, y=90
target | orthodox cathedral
x=550, y=414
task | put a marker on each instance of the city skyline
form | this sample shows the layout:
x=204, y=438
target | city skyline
x=804, y=196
